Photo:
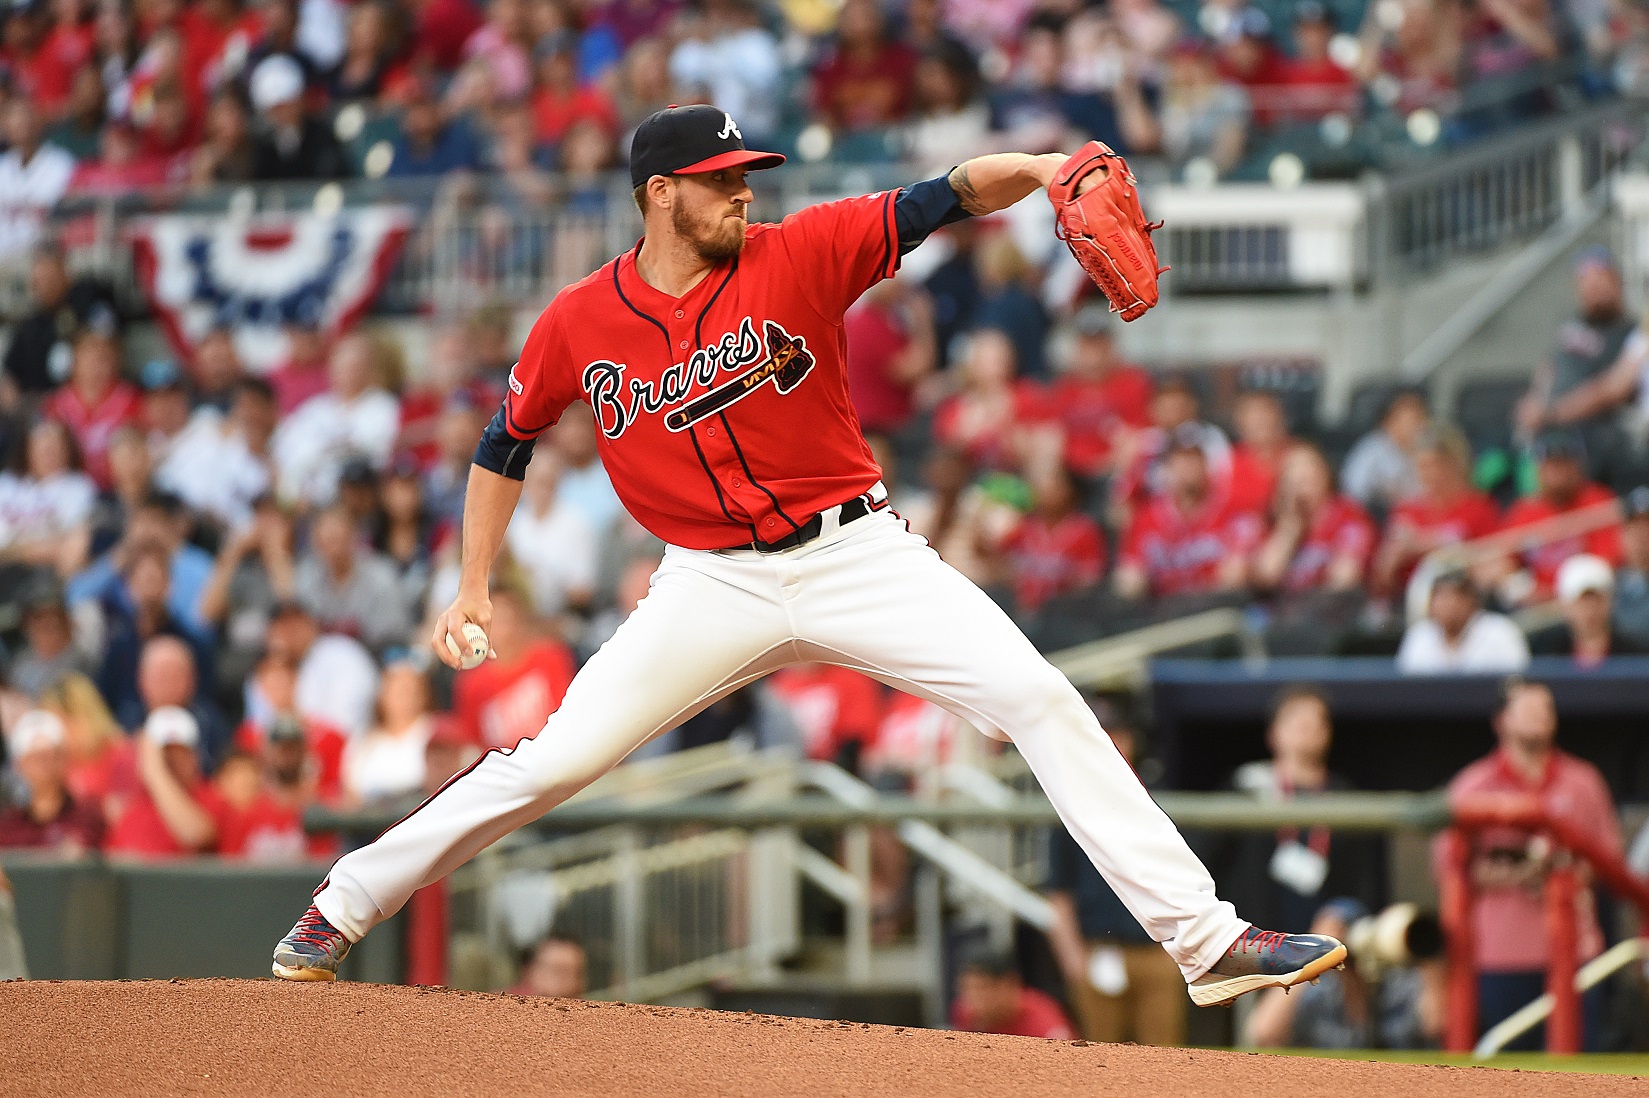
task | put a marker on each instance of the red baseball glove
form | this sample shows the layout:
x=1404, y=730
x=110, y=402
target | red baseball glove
x=1105, y=228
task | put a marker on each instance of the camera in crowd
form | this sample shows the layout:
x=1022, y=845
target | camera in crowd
x=1401, y=936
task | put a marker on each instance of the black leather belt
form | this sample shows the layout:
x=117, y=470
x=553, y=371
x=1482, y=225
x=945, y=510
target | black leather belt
x=856, y=508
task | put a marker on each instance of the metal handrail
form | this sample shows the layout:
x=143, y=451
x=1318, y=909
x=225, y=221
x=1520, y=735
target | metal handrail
x=1591, y=974
x=1583, y=520
x=1363, y=812
x=1122, y=660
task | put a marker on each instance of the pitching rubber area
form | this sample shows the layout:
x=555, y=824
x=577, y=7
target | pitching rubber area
x=247, y=1037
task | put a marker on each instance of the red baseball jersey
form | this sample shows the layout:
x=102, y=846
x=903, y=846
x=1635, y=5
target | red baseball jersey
x=1544, y=560
x=1339, y=528
x=1437, y=523
x=1182, y=553
x=724, y=414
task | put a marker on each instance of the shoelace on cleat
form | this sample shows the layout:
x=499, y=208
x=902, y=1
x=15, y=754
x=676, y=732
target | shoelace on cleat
x=314, y=929
x=1261, y=940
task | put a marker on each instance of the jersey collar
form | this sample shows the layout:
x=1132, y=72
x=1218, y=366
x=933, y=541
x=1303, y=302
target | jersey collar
x=654, y=301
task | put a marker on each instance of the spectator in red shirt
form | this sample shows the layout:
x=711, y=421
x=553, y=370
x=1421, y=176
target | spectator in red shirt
x=1447, y=510
x=440, y=28
x=892, y=348
x=990, y=419
x=837, y=709
x=507, y=698
x=51, y=817
x=1142, y=456
x=176, y=811
x=1263, y=441
x=991, y=998
x=65, y=49
x=1561, y=488
x=1314, y=83
x=1248, y=57
x=561, y=100
x=1056, y=549
x=867, y=80
x=304, y=374
x=260, y=821
x=1190, y=539
x=276, y=680
x=1319, y=540
x=1099, y=397
x=1509, y=866
x=95, y=401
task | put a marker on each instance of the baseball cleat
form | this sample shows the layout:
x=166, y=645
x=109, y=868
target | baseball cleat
x=312, y=950
x=1266, y=958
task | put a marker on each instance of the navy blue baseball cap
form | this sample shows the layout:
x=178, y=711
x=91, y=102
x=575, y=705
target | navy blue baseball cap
x=685, y=140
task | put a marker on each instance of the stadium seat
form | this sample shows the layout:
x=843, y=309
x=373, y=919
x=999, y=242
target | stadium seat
x=1484, y=409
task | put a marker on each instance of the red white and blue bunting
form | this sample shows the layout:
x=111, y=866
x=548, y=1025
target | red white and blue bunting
x=256, y=275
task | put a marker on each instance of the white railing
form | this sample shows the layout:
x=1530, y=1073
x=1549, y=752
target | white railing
x=661, y=909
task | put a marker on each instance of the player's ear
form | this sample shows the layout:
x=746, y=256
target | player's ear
x=661, y=190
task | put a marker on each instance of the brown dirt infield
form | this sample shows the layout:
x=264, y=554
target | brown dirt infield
x=251, y=1037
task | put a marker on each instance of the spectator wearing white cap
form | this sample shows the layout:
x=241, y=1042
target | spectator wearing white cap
x=289, y=144
x=1457, y=636
x=49, y=817
x=1586, y=592
x=176, y=812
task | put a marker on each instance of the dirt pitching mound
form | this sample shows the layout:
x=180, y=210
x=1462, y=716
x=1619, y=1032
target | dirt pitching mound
x=246, y=1037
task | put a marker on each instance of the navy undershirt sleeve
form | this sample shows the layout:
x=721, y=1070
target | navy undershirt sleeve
x=501, y=452
x=922, y=207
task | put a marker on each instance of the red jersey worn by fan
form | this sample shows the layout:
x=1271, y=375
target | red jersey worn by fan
x=990, y=446
x=1091, y=412
x=1038, y=1016
x=914, y=734
x=421, y=411
x=94, y=424
x=500, y=704
x=48, y=76
x=1543, y=561
x=833, y=706
x=729, y=466
x=1181, y=553
x=1471, y=515
x=323, y=744
x=875, y=340
x=142, y=832
x=1047, y=559
x=1253, y=480
x=268, y=831
x=1339, y=528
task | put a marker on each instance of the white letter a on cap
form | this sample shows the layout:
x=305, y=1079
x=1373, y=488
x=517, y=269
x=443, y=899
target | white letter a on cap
x=732, y=127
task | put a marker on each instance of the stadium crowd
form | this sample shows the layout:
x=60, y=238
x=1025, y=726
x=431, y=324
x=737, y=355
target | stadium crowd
x=104, y=98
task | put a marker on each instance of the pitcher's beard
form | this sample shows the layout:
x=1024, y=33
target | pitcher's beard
x=722, y=242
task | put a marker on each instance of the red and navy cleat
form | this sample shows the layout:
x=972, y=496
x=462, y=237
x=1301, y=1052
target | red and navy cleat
x=1266, y=958
x=312, y=950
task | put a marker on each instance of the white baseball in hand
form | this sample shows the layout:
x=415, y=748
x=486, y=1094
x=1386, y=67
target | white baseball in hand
x=474, y=652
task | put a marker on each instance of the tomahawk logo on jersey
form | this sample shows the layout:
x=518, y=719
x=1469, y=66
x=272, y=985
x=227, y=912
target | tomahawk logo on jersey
x=727, y=418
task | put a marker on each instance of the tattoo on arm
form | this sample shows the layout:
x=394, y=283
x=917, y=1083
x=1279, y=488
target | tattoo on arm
x=965, y=192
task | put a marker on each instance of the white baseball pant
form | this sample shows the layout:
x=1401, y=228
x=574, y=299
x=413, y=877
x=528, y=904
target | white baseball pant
x=871, y=596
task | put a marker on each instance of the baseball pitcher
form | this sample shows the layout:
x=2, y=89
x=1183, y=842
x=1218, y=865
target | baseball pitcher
x=712, y=354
